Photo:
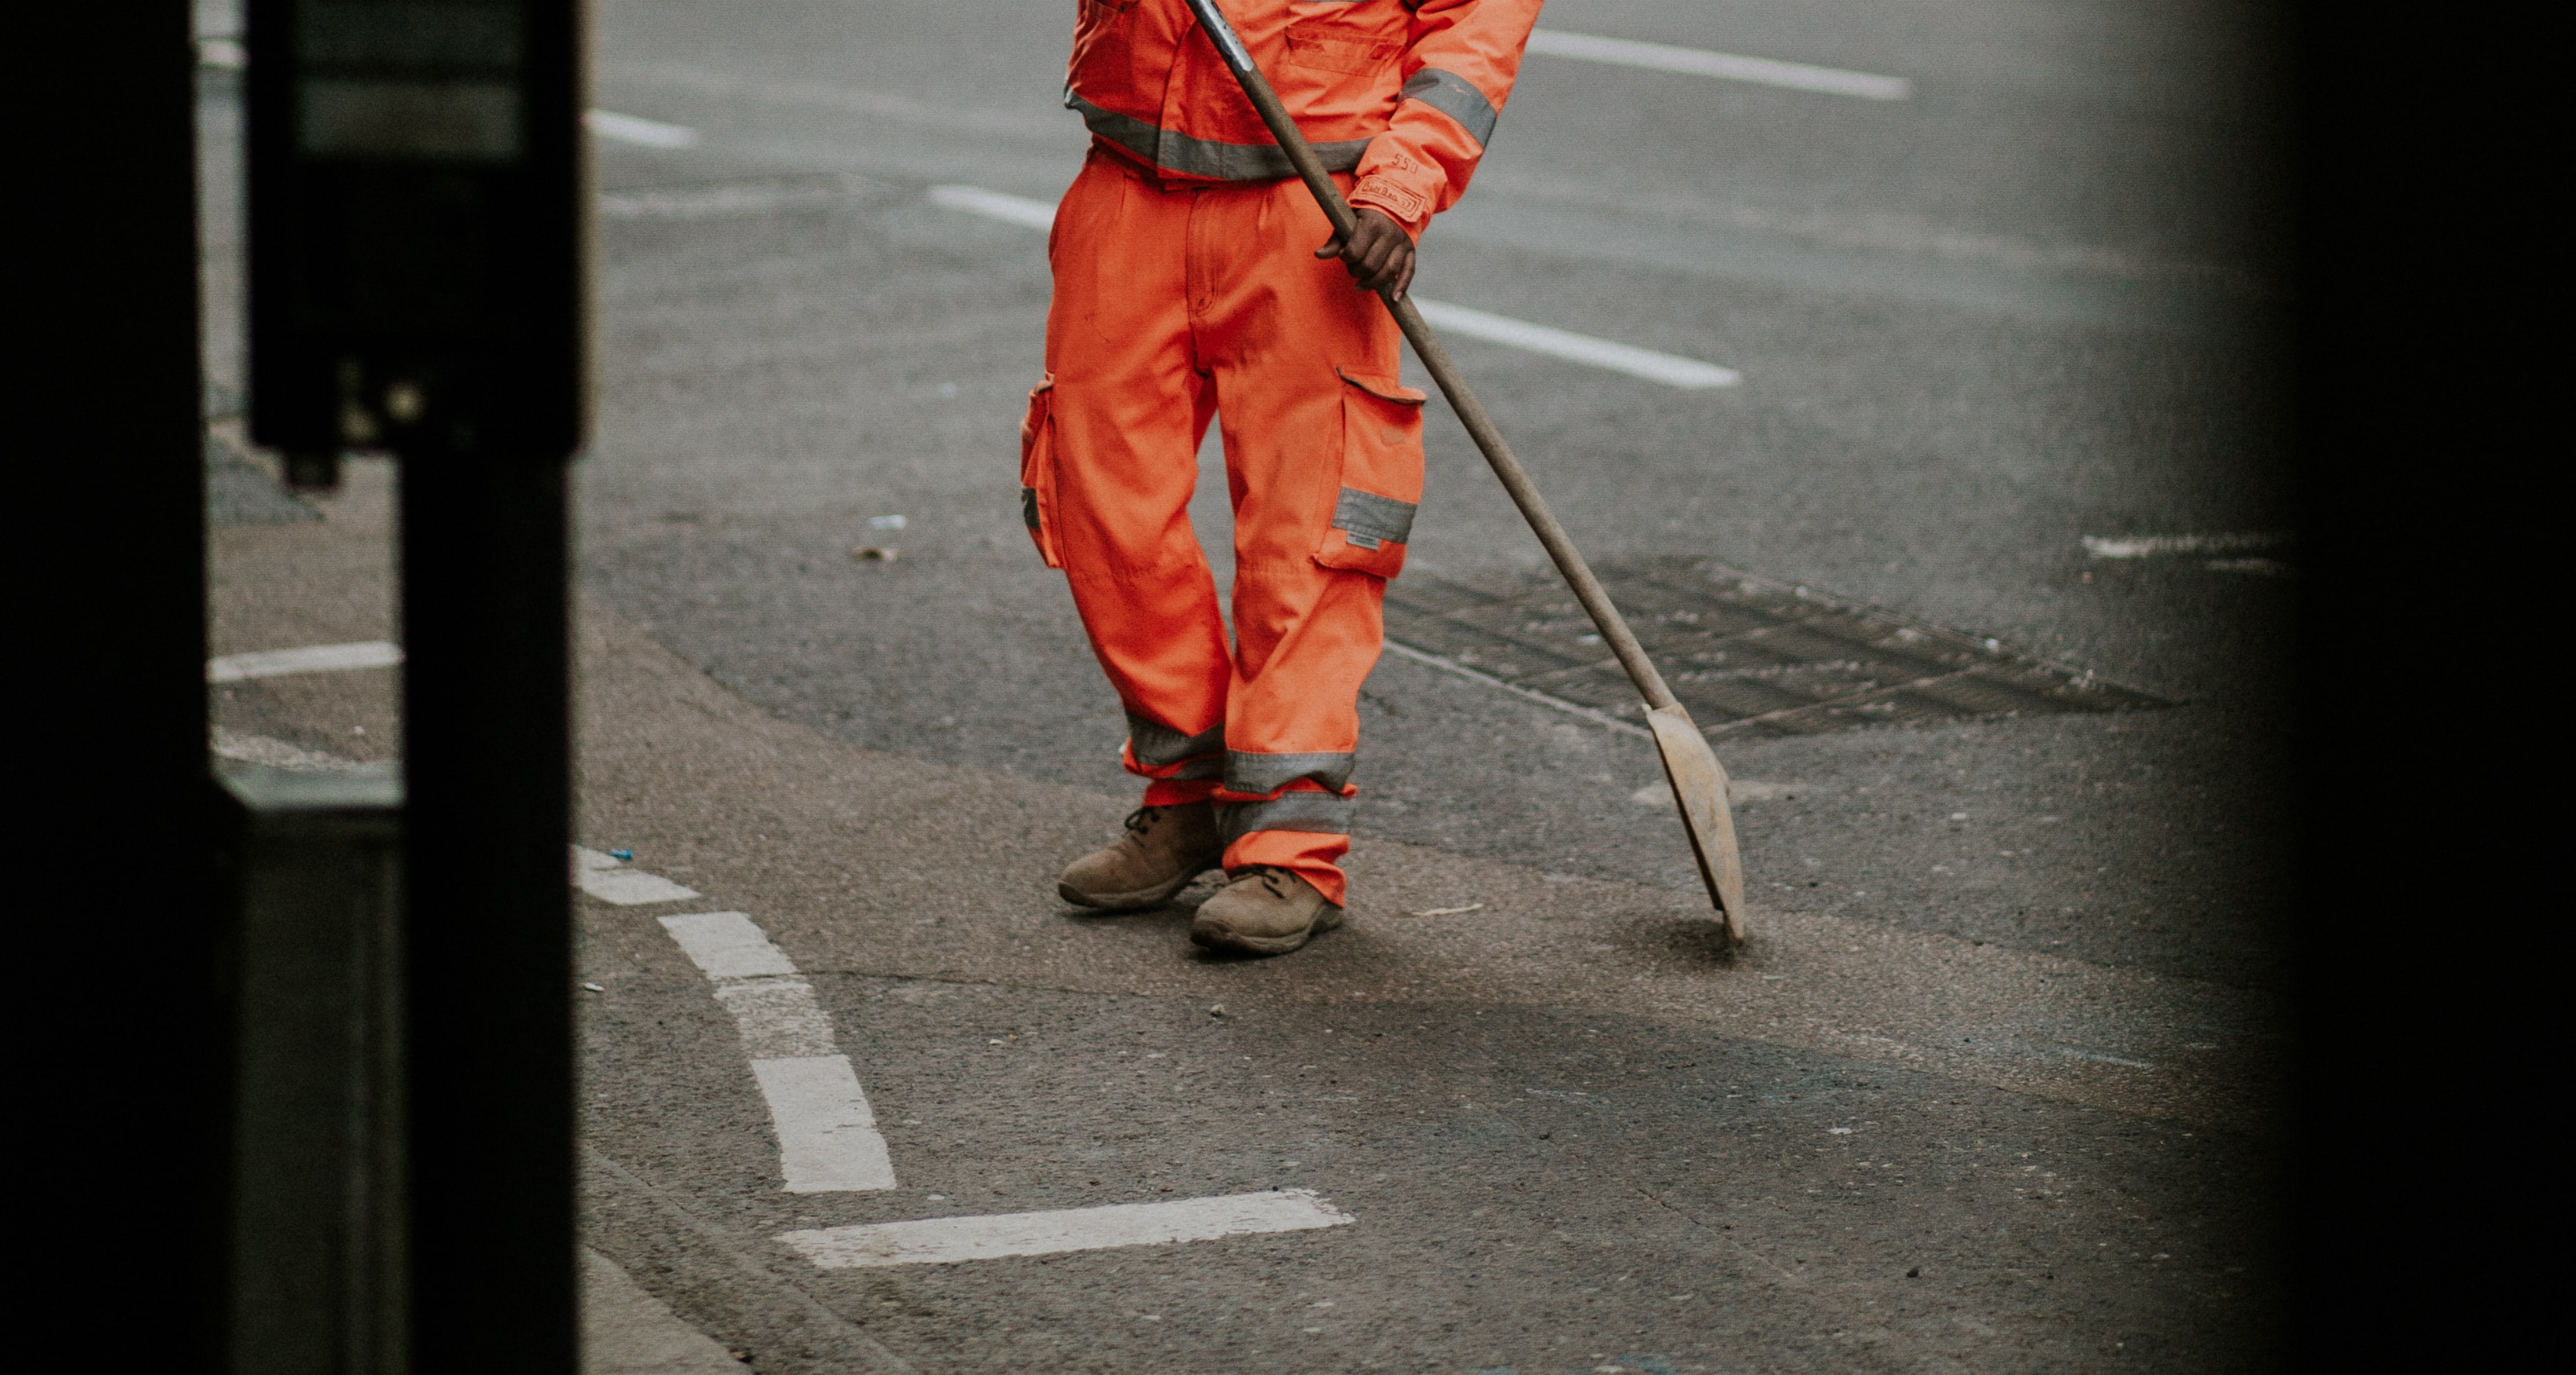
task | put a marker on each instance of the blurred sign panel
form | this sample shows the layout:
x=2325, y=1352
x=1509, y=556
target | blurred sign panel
x=417, y=226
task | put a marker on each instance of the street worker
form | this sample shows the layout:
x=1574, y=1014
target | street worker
x=1194, y=277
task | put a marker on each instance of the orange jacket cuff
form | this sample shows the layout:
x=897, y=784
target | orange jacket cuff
x=1410, y=212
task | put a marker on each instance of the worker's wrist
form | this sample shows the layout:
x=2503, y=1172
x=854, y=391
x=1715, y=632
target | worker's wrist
x=1407, y=210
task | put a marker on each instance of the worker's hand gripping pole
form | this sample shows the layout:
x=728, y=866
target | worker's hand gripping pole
x=1698, y=780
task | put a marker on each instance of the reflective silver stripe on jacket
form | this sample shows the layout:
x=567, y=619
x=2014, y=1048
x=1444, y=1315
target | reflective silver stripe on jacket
x=1322, y=812
x=1200, y=157
x=1246, y=772
x=1457, y=97
x=1159, y=746
x=1368, y=520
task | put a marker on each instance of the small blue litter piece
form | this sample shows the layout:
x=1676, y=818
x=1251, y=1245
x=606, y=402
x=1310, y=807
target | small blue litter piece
x=621, y=854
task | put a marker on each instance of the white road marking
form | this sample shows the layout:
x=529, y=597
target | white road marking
x=2097, y=1057
x=633, y=887
x=1737, y=790
x=277, y=754
x=828, y=1140
x=604, y=878
x=778, y=1018
x=271, y=663
x=645, y=133
x=2149, y=546
x=938, y=1241
x=726, y=945
x=1669, y=369
x=996, y=205
x=827, y=1134
x=712, y=202
x=2270, y=568
x=1664, y=57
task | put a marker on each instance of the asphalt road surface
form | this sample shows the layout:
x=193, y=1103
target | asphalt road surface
x=1993, y=1087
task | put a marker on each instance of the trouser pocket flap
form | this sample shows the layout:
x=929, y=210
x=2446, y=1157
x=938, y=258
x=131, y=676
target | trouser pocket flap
x=1037, y=471
x=1381, y=476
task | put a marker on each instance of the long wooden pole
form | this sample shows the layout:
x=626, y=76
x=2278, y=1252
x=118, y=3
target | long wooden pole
x=1698, y=780
x=1426, y=345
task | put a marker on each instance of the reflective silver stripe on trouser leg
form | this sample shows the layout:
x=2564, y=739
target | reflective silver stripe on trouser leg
x=1203, y=157
x=1158, y=746
x=1325, y=812
x=1246, y=772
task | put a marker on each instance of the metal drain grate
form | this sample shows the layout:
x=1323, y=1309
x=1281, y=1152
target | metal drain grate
x=1750, y=657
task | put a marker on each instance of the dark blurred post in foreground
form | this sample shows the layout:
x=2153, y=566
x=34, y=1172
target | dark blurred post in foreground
x=417, y=231
x=116, y=1065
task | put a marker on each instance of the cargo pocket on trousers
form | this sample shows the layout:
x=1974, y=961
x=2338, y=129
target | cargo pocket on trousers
x=1037, y=471
x=1381, y=478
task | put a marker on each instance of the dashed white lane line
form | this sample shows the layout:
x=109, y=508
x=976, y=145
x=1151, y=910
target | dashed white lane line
x=936, y=1241
x=276, y=754
x=1738, y=791
x=644, y=133
x=1764, y=71
x=2150, y=546
x=828, y=1140
x=827, y=1135
x=605, y=878
x=727, y=945
x=996, y=205
x=271, y=663
x=714, y=202
x=1672, y=370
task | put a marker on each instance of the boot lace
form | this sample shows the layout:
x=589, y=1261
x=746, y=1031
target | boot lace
x=1272, y=877
x=1142, y=819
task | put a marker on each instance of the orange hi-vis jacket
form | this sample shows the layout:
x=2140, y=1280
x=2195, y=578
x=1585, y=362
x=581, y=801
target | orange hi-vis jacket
x=1402, y=93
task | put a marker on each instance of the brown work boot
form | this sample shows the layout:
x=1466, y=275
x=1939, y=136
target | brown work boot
x=1164, y=848
x=1263, y=911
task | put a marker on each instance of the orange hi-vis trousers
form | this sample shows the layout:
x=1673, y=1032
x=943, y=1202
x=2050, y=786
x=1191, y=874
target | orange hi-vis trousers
x=1175, y=302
